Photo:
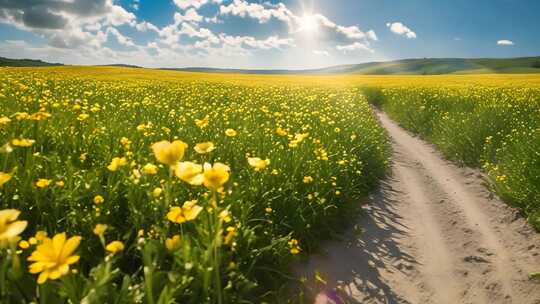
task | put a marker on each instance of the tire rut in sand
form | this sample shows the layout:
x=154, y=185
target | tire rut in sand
x=504, y=278
x=431, y=234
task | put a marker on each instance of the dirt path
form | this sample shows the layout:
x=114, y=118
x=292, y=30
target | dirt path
x=431, y=234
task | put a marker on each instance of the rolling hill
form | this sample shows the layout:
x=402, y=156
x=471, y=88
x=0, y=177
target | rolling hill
x=424, y=66
x=25, y=62
x=421, y=66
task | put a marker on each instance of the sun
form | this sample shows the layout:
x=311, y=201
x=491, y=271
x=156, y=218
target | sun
x=308, y=24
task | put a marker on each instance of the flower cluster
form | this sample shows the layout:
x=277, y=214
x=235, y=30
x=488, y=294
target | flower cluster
x=166, y=187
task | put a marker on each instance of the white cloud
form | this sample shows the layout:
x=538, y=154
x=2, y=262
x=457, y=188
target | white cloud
x=265, y=12
x=400, y=29
x=242, y=8
x=505, y=42
x=73, y=24
x=183, y=4
x=80, y=36
x=135, y=4
x=202, y=33
x=123, y=40
x=118, y=16
x=321, y=53
x=146, y=26
x=371, y=35
x=190, y=15
x=354, y=47
x=272, y=42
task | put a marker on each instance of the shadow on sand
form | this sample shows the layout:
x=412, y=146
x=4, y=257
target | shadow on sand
x=349, y=270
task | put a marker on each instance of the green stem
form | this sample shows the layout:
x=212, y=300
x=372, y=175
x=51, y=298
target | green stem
x=216, y=243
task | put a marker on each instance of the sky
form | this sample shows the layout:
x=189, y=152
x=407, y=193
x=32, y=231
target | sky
x=265, y=34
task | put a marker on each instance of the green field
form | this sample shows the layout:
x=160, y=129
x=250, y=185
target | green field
x=127, y=185
x=289, y=164
x=496, y=129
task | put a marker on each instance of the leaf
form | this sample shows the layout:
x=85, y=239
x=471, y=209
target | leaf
x=534, y=275
x=319, y=277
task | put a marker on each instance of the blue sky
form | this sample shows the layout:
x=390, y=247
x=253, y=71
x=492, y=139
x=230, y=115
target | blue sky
x=291, y=34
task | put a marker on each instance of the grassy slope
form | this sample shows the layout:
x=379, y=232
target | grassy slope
x=116, y=73
x=25, y=62
x=449, y=66
x=426, y=66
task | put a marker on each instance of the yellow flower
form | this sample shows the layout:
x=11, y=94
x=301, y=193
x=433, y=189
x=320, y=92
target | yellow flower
x=231, y=232
x=125, y=141
x=100, y=229
x=230, y=132
x=60, y=184
x=169, y=153
x=298, y=138
x=258, y=164
x=22, y=142
x=293, y=246
x=114, y=247
x=83, y=156
x=205, y=147
x=43, y=183
x=4, y=120
x=173, y=243
x=98, y=199
x=281, y=132
x=201, y=123
x=83, y=117
x=188, y=212
x=150, y=169
x=10, y=228
x=157, y=192
x=4, y=178
x=189, y=172
x=6, y=149
x=41, y=235
x=308, y=179
x=215, y=176
x=21, y=115
x=117, y=163
x=40, y=115
x=225, y=216
x=53, y=257
x=24, y=244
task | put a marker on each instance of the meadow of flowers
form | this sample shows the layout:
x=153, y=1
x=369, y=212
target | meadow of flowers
x=164, y=191
x=493, y=128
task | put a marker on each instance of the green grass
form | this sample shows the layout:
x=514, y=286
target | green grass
x=496, y=129
x=240, y=259
x=8, y=62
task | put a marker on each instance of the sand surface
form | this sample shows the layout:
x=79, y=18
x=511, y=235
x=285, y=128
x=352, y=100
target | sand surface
x=431, y=234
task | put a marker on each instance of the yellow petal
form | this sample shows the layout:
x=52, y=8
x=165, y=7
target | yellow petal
x=197, y=180
x=63, y=269
x=8, y=215
x=43, y=277
x=70, y=246
x=58, y=242
x=15, y=229
x=72, y=259
x=193, y=212
x=36, y=267
x=54, y=274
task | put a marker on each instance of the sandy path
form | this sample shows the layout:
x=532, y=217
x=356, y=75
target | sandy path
x=431, y=234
